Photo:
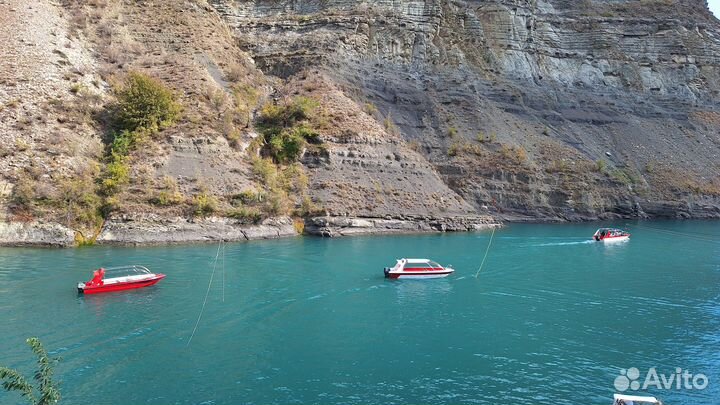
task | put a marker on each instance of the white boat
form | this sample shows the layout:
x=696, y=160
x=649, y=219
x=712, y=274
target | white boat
x=611, y=235
x=622, y=399
x=417, y=269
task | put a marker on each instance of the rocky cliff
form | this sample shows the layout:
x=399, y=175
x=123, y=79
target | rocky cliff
x=430, y=115
x=529, y=109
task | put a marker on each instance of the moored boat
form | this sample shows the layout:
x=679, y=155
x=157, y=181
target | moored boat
x=123, y=278
x=611, y=235
x=417, y=269
x=621, y=399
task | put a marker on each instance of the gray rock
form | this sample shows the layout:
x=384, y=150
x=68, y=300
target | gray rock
x=153, y=230
x=35, y=234
x=334, y=226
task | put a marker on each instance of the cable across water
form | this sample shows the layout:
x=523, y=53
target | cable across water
x=486, y=252
x=207, y=293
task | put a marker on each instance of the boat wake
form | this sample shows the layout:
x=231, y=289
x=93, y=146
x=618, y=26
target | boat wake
x=582, y=242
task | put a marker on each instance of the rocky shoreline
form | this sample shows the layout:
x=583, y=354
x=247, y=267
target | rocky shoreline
x=155, y=230
x=146, y=231
x=149, y=230
x=346, y=226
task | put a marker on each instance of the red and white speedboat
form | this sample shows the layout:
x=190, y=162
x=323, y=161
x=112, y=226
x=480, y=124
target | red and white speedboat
x=417, y=268
x=123, y=278
x=610, y=235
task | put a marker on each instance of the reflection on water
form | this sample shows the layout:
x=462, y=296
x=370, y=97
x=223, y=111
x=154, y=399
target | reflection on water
x=420, y=292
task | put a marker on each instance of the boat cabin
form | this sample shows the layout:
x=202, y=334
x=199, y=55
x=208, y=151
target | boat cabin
x=610, y=233
x=417, y=268
x=418, y=265
x=621, y=399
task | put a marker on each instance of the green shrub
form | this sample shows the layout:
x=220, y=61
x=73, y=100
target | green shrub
x=285, y=128
x=79, y=200
x=601, y=166
x=278, y=202
x=307, y=207
x=266, y=170
x=169, y=195
x=21, y=145
x=517, y=154
x=116, y=175
x=620, y=177
x=23, y=193
x=624, y=176
x=204, y=204
x=245, y=95
x=145, y=102
x=117, y=171
x=452, y=132
x=275, y=117
x=370, y=108
x=245, y=214
x=293, y=178
x=46, y=389
x=390, y=126
x=166, y=198
x=286, y=146
x=248, y=197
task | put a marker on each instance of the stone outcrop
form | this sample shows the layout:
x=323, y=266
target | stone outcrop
x=340, y=226
x=153, y=230
x=35, y=234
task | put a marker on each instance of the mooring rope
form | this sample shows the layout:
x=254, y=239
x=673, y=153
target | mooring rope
x=207, y=293
x=223, y=270
x=486, y=252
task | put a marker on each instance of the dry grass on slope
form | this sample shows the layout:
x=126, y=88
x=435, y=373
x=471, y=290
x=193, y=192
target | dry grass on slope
x=48, y=89
x=188, y=48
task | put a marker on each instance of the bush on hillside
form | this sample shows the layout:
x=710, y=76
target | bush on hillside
x=286, y=128
x=145, y=102
x=204, y=204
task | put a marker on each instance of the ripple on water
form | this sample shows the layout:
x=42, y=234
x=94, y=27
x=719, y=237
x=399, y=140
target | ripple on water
x=313, y=320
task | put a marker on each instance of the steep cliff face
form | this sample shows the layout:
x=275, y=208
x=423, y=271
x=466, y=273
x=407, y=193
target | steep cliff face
x=531, y=109
x=431, y=114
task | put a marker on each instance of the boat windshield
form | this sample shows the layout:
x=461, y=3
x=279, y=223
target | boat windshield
x=423, y=265
x=131, y=270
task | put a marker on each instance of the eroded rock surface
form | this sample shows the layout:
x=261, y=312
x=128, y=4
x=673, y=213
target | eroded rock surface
x=153, y=229
x=531, y=109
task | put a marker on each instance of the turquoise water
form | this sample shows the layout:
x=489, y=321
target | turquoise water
x=551, y=318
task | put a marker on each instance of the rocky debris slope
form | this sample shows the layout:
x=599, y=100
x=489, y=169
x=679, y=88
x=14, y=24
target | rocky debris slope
x=48, y=83
x=365, y=169
x=531, y=109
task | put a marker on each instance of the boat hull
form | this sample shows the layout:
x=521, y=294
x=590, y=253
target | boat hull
x=408, y=275
x=615, y=239
x=131, y=285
